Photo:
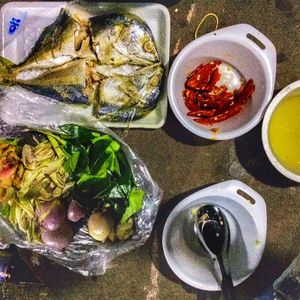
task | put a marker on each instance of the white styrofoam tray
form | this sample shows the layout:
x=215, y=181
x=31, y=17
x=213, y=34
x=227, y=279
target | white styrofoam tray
x=245, y=211
x=17, y=38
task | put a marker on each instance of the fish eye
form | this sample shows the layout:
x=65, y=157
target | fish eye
x=148, y=47
x=154, y=81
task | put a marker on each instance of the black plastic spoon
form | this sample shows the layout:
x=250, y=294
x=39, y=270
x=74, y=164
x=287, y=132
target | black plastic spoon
x=213, y=232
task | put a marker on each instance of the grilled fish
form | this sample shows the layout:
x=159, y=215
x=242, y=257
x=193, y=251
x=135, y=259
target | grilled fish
x=109, y=61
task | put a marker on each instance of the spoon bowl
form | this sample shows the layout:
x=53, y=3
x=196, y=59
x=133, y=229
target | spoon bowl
x=212, y=229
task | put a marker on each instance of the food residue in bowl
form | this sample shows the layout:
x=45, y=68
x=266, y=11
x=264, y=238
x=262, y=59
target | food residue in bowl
x=215, y=92
x=284, y=133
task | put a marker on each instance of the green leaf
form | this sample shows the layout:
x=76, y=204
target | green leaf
x=121, y=188
x=80, y=136
x=94, y=186
x=115, y=146
x=77, y=163
x=135, y=204
x=102, y=155
x=122, y=184
x=11, y=141
x=71, y=163
x=118, y=205
x=5, y=210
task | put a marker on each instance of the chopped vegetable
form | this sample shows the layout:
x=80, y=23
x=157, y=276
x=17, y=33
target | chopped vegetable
x=65, y=177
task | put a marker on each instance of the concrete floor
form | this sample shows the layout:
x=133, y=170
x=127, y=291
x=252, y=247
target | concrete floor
x=182, y=163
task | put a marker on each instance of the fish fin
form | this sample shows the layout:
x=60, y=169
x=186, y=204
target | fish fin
x=5, y=69
x=5, y=64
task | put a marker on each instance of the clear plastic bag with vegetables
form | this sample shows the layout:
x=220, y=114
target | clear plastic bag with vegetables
x=76, y=194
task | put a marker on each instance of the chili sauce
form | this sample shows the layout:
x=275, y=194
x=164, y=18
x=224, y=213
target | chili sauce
x=284, y=133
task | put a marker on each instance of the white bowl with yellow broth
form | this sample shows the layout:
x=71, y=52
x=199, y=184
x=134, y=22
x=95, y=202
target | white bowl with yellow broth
x=281, y=131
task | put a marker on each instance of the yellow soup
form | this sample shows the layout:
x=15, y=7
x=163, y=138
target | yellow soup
x=284, y=133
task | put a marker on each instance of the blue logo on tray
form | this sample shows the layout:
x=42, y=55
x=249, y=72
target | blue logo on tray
x=14, y=24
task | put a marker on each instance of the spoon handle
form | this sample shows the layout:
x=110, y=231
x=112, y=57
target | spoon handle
x=227, y=284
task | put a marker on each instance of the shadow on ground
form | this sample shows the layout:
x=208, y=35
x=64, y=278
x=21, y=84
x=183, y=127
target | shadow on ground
x=177, y=132
x=52, y=275
x=251, y=155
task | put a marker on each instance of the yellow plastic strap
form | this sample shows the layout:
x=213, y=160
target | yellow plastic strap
x=202, y=21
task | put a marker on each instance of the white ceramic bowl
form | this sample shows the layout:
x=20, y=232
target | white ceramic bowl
x=291, y=90
x=233, y=46
x=248, y=227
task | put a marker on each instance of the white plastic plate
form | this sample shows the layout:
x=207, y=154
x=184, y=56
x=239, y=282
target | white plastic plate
x=23, y=22
x=246, y=213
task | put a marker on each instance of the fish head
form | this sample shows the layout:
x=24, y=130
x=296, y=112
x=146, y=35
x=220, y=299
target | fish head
x=136, y=41
x=123, y=97
x=144, y=85
x=123, y=38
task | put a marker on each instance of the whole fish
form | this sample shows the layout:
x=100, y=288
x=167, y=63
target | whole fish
x=109, y=61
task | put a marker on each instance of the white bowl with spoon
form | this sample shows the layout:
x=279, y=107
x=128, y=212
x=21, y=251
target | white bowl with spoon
x=245, y=211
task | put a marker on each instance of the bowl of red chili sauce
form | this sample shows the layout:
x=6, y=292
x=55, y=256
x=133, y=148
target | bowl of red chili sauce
x=220, y=84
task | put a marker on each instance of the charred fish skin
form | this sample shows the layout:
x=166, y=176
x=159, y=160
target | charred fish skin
x=123, y=38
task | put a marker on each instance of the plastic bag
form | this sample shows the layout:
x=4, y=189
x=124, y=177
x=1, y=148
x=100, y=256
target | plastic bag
x=21, y=109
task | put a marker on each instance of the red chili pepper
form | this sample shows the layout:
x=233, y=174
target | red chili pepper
x=215, y=77
x=235, y=109
x=201, y=76
x=210, y=103
x=195, y=71
x=191, y=105
x=190, y=94
x=245, y=92
x=219, y=90
x=202, y=113
x=204, y=121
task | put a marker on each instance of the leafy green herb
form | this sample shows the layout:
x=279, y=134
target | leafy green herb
x=5, y=210
x=98, y=165
x=135, y=204
x=80, y=136
x=13, y=141
x=77, y=162
x=90, y=166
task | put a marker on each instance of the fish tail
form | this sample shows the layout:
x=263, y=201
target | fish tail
x=6, y=67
